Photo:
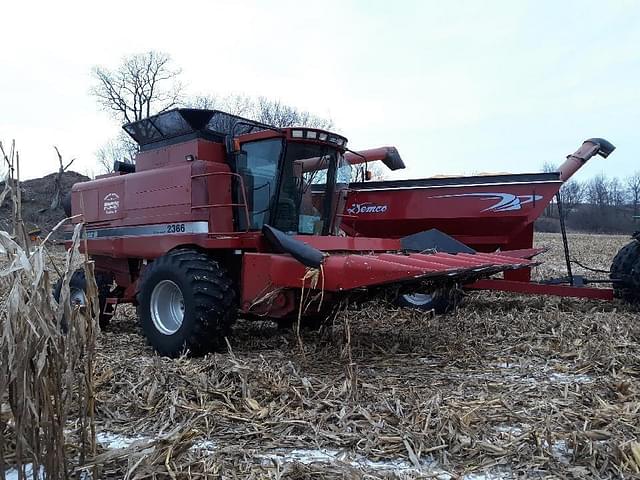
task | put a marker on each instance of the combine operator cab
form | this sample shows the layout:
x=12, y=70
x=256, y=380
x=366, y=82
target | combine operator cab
x=278, y=172
x=221, y=215
x=271, y=170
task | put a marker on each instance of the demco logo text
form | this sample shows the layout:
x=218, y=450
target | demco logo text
x=367, y=207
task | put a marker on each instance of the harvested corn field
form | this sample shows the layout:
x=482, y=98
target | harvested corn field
x=505, y=387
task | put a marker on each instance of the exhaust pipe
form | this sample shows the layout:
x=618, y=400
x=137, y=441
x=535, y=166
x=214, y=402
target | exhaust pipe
x=589, y=148
x=387, y=155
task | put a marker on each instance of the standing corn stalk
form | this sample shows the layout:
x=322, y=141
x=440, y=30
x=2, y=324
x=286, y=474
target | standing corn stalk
x=46, y=375
x=12, y=186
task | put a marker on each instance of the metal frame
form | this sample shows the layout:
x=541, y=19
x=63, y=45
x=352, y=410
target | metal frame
x=534, y=288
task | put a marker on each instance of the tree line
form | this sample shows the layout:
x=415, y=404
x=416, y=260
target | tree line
x=600, y=204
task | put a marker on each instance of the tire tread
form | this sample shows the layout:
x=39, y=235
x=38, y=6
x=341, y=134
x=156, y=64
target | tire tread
x=212, y=293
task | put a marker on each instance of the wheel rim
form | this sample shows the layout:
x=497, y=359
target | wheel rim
x=77, y=298
x=167, y=307
x=418, y=298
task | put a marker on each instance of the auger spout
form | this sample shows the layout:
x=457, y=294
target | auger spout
x=589, y=148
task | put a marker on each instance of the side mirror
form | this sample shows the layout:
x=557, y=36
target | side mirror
x=368, y=175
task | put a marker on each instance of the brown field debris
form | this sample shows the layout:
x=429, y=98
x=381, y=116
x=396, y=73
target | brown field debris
x=511, y=386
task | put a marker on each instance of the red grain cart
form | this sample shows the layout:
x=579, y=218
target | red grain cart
x=488, y=213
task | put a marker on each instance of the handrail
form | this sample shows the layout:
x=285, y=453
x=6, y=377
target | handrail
x=217, y=205
x=344, y=192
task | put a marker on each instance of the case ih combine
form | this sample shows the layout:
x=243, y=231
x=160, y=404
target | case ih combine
x=217, y=217
x=222, y=215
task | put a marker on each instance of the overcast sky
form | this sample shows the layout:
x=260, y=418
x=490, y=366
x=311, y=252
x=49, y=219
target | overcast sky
x=457, y=87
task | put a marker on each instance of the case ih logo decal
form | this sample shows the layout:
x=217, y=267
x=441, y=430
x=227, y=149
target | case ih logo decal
x=111, y=203
x=505, y=202
x=366, y=207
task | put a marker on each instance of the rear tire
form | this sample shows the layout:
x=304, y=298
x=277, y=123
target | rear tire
x=625, y=267
x=186, y=301
x=77, y=291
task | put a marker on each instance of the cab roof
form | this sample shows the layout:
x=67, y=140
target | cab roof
x=182, y=124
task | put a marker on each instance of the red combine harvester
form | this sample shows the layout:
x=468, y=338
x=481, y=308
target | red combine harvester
x=217, y=217
x=488, y=213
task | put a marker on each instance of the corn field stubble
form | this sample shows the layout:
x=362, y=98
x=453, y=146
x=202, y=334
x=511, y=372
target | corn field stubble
x=507, y=386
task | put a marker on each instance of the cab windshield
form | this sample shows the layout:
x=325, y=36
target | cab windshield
x=284, y=197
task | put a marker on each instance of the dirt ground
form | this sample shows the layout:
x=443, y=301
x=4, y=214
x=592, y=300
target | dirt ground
x=506, y=387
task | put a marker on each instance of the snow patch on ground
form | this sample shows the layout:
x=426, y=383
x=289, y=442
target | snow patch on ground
x=570, y=378
x=506, y=365
x=518, y=375
x=428, y=468
x=511, y=430
x=561, y=451
x=205, y=445
x=12, y=473
x=115, y=441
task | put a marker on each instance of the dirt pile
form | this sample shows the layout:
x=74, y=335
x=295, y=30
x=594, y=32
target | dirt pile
x=36, y=199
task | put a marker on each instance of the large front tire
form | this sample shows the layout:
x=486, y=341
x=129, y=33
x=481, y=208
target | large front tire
x=186, y=301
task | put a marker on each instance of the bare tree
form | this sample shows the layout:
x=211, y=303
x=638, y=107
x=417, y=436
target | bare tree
x=261, y=109
x=142, y=85
x=274, y=112
x=571, y=195
x=617, y=194
x=55, y=201
x=122, y=148
x=549, y=167
x=241, y=105
x=146, y=84
x=598, y=192
x=633, y=188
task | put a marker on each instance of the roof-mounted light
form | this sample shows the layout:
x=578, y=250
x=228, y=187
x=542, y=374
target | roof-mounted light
x=313, y=134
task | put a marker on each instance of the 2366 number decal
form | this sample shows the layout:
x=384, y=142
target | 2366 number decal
x=176, y=228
